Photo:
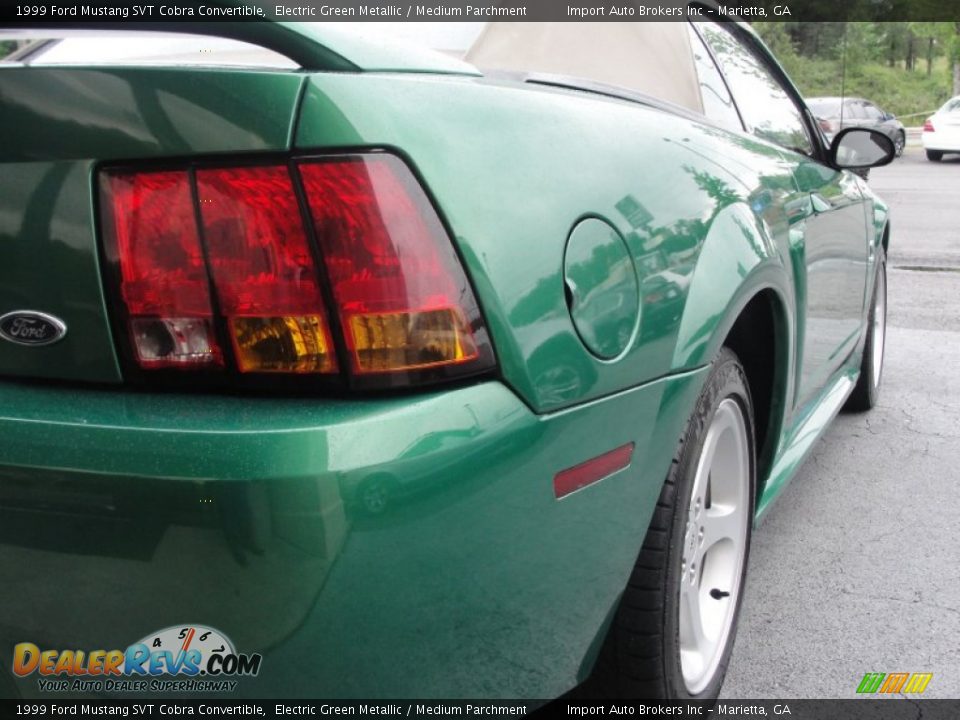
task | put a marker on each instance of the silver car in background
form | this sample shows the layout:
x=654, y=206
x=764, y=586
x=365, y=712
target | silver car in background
x=834, y=114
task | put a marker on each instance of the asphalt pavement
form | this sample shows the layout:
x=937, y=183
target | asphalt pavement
x=856, y=569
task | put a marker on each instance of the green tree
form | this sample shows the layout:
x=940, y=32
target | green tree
x=934, y=37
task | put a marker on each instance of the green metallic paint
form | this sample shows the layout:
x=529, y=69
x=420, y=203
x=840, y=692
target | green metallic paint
x=801, y=437
x=335, y=535
x=602, y=289
x=205, y=437
x=139, y=113
x=50, y=264
x=257, y=506
x=513, y=250
x=65, y=121
x=836, y=239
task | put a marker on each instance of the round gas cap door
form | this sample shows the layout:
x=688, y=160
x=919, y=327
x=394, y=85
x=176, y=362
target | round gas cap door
x=602, y=289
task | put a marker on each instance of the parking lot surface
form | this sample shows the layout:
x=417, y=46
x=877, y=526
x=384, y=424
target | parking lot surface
x=857, y=567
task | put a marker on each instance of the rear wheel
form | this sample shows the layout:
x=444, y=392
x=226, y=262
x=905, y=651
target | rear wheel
x=674, y=629
x=867, y=390
x=934, y=155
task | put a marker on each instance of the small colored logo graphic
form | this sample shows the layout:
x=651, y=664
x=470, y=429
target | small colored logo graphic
x=894, y=683
x=188, y=651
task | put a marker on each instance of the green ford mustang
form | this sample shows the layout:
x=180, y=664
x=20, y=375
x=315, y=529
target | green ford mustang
x=345, y=367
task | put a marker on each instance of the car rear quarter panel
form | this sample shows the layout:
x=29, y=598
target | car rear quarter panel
x=247, y=514
x=513, y=167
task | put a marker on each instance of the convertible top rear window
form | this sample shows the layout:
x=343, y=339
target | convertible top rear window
x=650, y=58
x=451, y=38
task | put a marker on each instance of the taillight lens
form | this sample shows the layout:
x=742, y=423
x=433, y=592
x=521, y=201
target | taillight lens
x=227, y=252
x=403, y=299
x=265, y=277
x=152, y=234
x=928, y=125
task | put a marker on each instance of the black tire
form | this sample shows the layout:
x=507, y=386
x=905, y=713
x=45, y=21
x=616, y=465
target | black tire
x=899, y=143
x=934, y=155
x=867, y=390
x=640, y=657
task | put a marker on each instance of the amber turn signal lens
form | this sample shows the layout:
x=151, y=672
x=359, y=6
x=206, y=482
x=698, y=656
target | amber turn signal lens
x=298, y=344
x=384, y=342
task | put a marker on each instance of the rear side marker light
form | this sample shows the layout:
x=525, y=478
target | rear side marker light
x=573, y=479
x=928, y=125
x=291, y=266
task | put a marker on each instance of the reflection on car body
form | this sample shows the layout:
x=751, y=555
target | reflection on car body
x=337, y=323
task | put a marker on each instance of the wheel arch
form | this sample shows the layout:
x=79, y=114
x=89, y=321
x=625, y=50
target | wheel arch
x=760, y=338
x=742, y=296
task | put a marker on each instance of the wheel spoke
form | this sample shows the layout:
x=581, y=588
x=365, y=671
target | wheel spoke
x=714, y=543
x=701, y=483
x=722, y=523
x=692, y=637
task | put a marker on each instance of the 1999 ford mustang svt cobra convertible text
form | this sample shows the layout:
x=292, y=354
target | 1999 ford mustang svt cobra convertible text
x=443, y=373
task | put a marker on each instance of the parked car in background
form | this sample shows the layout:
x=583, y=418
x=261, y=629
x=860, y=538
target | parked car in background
x=835, y=114
x=941, y=131
x=421, y=374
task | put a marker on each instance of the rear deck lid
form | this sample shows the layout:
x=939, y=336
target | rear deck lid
x=62, y=122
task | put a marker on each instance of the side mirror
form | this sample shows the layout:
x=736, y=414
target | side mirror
x=857, y=148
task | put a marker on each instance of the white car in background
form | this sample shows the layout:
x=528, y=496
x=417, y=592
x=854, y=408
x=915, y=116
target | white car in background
x=941, y=132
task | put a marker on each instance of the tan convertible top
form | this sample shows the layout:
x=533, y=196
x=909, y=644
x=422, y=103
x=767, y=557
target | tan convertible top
x=648, y=57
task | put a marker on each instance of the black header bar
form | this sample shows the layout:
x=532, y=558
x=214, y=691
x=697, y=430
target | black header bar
x=81, y=12
x=895, y=708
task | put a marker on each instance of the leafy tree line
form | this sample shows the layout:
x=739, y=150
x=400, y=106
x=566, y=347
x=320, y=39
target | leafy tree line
x=906, y=67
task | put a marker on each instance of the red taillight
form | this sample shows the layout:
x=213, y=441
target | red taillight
x=403, y=299
x=928, y=125
x=265, y=277
x=152, y=233
x=225, y=252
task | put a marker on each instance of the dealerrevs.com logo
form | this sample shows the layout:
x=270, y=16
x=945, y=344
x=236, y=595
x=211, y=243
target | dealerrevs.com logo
x=181, y=658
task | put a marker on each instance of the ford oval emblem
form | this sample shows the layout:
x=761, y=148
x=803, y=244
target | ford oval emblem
x=27, y=327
